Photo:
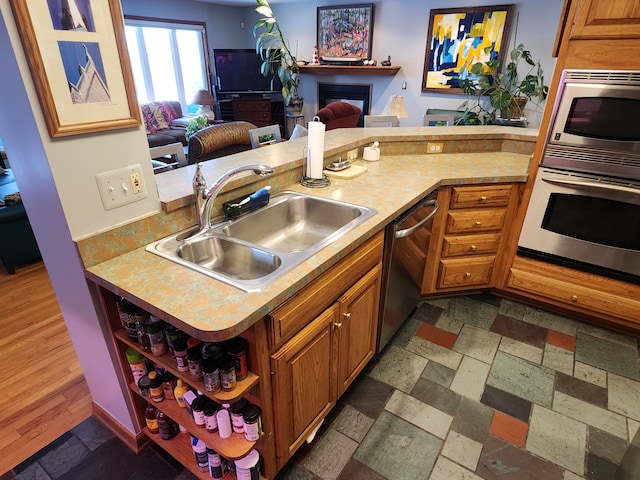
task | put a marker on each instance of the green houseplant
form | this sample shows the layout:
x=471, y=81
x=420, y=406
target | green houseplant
x=196, y=124
x=508, y=92
x=276, y=55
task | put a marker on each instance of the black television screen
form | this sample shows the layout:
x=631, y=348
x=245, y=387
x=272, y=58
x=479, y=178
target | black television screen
x=238, y=70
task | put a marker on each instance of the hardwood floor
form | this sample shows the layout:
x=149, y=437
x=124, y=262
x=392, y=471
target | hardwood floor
x=44, y=393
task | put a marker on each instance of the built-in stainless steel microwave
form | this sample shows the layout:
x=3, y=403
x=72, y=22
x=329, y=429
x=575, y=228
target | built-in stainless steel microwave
x=595, y=124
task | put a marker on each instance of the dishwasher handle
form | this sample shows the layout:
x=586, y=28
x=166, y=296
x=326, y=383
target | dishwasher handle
x=409, y=231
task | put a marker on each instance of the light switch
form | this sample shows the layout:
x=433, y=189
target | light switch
x=121, y=186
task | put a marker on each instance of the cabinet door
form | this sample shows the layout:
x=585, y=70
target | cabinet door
x=607, y=19
x=358, y=327
x=304, y=385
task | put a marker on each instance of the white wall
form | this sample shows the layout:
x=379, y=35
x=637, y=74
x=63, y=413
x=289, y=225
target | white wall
x=400, y=31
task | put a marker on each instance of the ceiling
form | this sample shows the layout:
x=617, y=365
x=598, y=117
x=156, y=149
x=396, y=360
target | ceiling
x=245, y=3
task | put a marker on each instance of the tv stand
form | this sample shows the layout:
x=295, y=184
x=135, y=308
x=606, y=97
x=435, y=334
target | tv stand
x=254, y=108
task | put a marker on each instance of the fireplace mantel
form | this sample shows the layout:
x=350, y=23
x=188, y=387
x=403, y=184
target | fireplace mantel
x=349, y=70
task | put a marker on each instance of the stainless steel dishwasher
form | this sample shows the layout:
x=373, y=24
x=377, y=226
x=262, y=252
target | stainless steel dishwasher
x=405, y=248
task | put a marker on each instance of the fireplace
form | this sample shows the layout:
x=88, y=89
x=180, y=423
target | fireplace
x=358, y=95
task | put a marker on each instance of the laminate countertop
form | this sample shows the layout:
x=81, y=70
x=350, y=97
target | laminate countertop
x=212, y=311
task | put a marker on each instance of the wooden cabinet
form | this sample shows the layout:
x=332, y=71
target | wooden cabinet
x=331, y=329
x=253, y=110
x=467, y=236
x=597, y=19
x=599, y=298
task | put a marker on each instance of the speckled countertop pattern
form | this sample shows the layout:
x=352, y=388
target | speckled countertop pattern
x=211, y=310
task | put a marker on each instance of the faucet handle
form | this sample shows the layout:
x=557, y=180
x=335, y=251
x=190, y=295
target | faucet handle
x=199, y=182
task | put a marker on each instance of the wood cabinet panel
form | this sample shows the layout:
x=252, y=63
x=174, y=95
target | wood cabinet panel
x=304, y=382
x=464, y=273
x=607, y=19
x=472, y=221
x=357, y=335
x=470, y=245
x=613, y=300
x=481, y=196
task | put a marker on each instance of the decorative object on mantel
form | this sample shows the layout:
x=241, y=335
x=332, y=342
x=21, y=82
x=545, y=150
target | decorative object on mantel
x=457, y=37
x=387, y=62
x=205, y=100
x=315, y=61
x=508, y=92
x=276, y=53
x=345, y=31
x=395, y=106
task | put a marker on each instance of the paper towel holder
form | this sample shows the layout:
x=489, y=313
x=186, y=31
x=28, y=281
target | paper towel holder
x=308, y=181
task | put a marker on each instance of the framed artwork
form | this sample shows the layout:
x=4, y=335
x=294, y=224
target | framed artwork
x=79, y=64
x=459, y=37
x=345, y=31
x=437, y=121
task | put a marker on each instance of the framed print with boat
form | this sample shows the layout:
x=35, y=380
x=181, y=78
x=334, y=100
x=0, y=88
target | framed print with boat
x=79, y=64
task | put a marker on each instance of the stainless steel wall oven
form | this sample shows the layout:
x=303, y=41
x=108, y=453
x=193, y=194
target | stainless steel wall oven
x=584, y=210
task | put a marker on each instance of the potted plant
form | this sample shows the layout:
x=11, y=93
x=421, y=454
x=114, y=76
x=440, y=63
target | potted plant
x=508, y=91
x=276, y=55
x=196, y=124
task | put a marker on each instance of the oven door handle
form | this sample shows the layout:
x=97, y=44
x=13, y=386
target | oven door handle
x=409, y=231
x=597, y=186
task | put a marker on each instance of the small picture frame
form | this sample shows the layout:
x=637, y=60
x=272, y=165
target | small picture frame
x=79, y=64
x=437, y=120
x=345, y=31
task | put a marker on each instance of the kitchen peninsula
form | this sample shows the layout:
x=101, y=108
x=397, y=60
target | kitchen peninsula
x=304, y=297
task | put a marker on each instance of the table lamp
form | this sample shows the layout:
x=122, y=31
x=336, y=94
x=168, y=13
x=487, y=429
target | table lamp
x=395, y=106
x=205, y=100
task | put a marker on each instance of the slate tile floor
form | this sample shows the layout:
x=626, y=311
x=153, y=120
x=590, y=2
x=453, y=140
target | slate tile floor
x=473, y=387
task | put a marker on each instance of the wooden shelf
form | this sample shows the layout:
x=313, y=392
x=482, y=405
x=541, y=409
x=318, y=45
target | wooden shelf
x=179, y=447
x=166, y=362
x=349, y=70
x=234, y=447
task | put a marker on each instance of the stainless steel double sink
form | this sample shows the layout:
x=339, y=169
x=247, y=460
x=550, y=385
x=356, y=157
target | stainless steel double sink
x=251, y=251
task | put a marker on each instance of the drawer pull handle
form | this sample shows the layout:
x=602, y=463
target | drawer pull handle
x=467, y=275
x=473, y=248
x=346, y=316
x=337, y=324
x=483, y=199
x=574, y=298
x=478, y=223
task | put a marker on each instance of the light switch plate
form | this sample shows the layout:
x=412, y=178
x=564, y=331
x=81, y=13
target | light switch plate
x=121, y=186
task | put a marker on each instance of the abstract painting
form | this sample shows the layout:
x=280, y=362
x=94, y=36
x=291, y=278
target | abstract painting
x=345, y=31
x=460, y=37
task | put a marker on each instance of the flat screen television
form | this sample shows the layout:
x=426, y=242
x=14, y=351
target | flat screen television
x=238, y=71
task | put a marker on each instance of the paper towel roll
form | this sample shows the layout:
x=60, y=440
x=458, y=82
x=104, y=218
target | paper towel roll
x=315, y=152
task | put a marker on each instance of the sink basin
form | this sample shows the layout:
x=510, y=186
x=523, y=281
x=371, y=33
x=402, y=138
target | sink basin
x=242, y=262
x=293, y=222
x=251, y=251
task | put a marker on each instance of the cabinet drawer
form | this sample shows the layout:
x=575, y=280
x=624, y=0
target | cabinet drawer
x=472, y=221
x=465, y=272
x=623, y=308
x=470, y=245
x=480, y=196
x=252, y=106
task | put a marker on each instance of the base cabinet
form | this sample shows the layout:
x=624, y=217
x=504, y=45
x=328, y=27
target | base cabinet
x=467, y=236
x=313, y=368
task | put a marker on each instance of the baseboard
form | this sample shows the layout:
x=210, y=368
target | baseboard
x=135, y=442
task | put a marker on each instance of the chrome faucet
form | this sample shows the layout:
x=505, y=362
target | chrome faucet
x=205, y=197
